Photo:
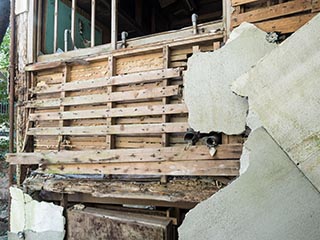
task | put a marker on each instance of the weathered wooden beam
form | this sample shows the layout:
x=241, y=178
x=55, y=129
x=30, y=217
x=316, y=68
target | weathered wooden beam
x=133, y=78
x=274, y=11
x=172, y=168
x=183, y=193
x=114, y=129
x=106, y=97
x=192, y=153
x=108, y=113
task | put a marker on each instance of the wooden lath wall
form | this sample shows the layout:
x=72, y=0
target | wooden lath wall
x=100, y=109
x=274, y=15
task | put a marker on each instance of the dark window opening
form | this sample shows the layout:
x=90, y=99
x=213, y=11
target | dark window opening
x=136, y=17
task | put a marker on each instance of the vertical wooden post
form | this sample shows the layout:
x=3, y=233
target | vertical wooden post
x=39, y=27
x=31, y=41
x=93, y=22
x=55, y=31
x=110, y=139
x=227, y=17
x=114, y=24
x=165, y=100
x=62, y=108
x=73, y=22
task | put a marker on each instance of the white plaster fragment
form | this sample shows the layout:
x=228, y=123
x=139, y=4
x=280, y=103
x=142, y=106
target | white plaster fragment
x=271, y=200
x=211, y=103
x=283, y=90
x=29, y=215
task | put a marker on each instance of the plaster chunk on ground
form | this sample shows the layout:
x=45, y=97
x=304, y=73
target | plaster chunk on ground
x=33, y=216
x=211, y=103
x=271, y=200
x=283, y=90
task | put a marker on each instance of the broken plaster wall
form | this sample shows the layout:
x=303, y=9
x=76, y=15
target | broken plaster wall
x=36, y=220
x=212, y=105
x=271, y=200
x=283, y=91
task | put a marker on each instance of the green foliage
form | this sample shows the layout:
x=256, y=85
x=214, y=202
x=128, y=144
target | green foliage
x=4, y=68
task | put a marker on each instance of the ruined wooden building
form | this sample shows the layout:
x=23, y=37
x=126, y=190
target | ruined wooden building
x=101, y=121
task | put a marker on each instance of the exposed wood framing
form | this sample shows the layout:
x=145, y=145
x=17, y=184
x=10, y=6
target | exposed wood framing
x=284, y=17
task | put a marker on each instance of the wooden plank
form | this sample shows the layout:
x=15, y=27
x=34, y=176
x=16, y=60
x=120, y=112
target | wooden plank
x=241, y=2
x=110, y=139
x=106, y=129
x=224, y=151
x=274, y=11
x=133, y=78
x=285, y=25
x=175, y=168
x=106, y=97
x=62, y=107
x=108, y=113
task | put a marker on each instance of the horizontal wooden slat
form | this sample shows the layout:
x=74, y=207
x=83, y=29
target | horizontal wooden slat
x=107, y=97
x=241, y=2
x=225, y=151
x=173, y=168
x=114, y=112
x=133, y=78
x=113, y=129
x=285, y=25
x=272, y=12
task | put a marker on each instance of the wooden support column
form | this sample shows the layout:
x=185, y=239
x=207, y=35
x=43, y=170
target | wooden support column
x=62, y=107
x=110, y=139
x=39, y=27
x=93, y=22
x=165, y=100
x=55, y=31
x=226, y=4
x=114, y=24
x=73, y=22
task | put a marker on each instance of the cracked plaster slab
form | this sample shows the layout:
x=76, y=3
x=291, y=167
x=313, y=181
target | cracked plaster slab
x=283, y=90
x=211, y=103
x=271, y=200
x=29, y=215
